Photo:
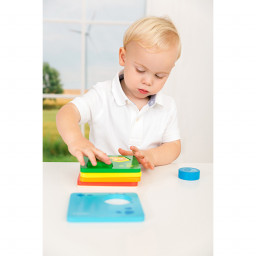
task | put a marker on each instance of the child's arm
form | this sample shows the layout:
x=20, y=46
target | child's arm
x=67, y=121
x=162, y=155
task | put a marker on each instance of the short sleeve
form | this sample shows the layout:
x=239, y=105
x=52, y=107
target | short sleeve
x=87, y=105
x=171, y=132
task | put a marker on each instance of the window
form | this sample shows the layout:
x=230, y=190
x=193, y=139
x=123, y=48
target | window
x=81, y=42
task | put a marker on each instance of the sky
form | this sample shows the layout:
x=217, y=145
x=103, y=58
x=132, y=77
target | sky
x=62, y=41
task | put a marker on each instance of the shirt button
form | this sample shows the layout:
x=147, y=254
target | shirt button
x=137, y=119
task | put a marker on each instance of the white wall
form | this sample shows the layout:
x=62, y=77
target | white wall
x=191, y=81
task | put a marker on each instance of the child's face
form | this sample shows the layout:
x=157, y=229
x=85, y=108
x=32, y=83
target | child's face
x=145, y=72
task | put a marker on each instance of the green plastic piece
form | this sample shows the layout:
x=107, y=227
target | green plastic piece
x=130, y=166
x=99, y=165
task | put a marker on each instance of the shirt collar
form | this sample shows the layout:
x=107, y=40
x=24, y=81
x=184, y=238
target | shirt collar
x=117, y=90
x=120, y=97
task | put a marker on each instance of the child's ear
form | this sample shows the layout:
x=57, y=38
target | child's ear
x=122, y=53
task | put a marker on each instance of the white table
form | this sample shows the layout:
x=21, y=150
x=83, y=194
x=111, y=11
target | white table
x=178, y=215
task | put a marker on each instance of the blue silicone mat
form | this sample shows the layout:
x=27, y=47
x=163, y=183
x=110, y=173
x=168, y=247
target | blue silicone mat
x=99, y=207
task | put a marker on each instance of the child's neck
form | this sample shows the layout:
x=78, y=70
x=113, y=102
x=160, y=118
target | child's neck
x=140, y=103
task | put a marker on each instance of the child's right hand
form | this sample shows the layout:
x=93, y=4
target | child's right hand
x=84, y=147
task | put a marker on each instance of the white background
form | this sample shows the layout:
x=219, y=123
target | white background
x=21, y=127
x=191, y=81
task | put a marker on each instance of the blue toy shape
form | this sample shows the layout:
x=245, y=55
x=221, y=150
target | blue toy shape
x=99, y=207
x=189, y=173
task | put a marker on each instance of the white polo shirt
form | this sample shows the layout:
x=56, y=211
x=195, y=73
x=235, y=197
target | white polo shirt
x=116, y=122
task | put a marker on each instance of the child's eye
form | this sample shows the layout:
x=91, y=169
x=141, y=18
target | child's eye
x=140, y=71
x=159, y=77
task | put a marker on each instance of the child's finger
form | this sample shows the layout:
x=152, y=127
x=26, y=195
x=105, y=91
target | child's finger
x=142, y=161
x=80, y=157
x=104, y=159
x=125, y=152
x=92, y=157
x=102, y=156
x=151, y=166
x=145, y=164
x=133, y=148
x=139, y=154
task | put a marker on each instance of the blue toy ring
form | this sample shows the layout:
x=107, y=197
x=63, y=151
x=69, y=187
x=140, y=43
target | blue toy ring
x=189, y=173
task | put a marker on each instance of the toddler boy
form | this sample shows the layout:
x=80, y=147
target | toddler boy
x=130, y=115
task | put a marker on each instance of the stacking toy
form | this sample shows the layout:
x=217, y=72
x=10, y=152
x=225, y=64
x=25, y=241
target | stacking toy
x=123, y=171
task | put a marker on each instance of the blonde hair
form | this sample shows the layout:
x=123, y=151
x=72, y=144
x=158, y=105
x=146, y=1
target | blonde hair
x=155, y=33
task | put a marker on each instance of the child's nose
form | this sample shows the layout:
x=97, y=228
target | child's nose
x=147, y=80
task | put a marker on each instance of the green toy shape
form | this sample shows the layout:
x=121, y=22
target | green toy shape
x=119, y=164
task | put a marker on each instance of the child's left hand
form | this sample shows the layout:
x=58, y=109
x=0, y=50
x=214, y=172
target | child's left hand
x=143, y=157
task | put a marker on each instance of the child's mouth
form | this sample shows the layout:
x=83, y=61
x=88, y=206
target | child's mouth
x=143, y=91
